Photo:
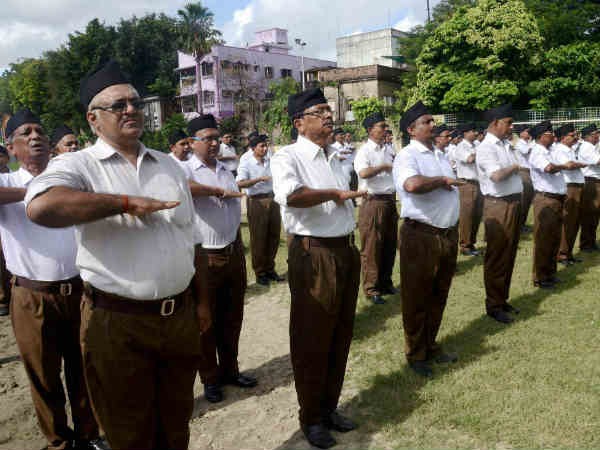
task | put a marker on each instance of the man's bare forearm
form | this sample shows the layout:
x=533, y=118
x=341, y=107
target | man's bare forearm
x=203, y=190
x=502, y=174
x=11, y=195
x=61, y=207
x=370, y=172
x=306, y=197
x=226, y=158
x=248, y=183
x=419, y=184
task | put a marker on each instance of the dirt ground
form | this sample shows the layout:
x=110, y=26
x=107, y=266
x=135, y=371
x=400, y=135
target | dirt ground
x=260, y=418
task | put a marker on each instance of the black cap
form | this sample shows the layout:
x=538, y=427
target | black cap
x=440, y=129
x=372, y=119
x=565, y=129
x=177, y=136
x=257, y=140
x=21, y=117
x=497, y=113
x=541, y=128
x=202, y=122
x=466, y=127
x=60, y=133
x=411, y=114
x=297, y=103
x=455, y=134
x=589, y=130
x=338, y=131
x=108, y=75
x=251, y=135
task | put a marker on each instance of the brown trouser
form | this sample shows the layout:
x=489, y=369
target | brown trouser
x=221, y=276
x=548, y=213
x=46, y=327
x=590, y=214
x=378, y=225
x=427, y=265
x=140, y=371
x=526, y=195
x=471, y=210
x=501, y=218
x=571, y=220
x=264, y=222
x=324, y=277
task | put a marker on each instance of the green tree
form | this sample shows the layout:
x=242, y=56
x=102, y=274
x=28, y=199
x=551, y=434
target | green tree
x=275, y=119
x=362, y=108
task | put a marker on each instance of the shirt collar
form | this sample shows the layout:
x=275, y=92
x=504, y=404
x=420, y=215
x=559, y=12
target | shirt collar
x=196, y=164
x=309, y=147
x=491, y=138
x=102, y=150
x=419, y=146
x=373, y=145
x=25, y=176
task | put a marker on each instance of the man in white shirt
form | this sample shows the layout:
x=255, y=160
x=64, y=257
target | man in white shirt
x=471, y=200
x=134, y=227
x=441, y=138
x=324, y=264
x=563, y=154
x=5, y=275
x=64, y=140
x=550, y=192
x=264, y=218
x=179, y=145
x=389, y=141
x=227, y=154
x=378, y=217
x=455, y=138
x=45, y=297
x=428, y=238
x=522, y=150
x=590, y=155
x=501, y=186
x=220, y=261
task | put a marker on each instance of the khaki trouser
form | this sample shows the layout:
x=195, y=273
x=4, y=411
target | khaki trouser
x=427, y=265
x=221, y=288
x=502, y=229
x=590, y=214
x=471, y=210
x=378, y=225
x=571, y=220
x=264, y=222
x=548, y=212
x=140, y=371
x=324, y=285
x=526, y=195
x=46, y=327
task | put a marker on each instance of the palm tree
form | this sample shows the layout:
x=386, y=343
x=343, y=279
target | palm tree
x=197, y=36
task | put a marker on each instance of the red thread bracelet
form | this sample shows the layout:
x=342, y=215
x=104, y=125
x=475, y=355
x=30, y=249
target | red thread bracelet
x=125, y=204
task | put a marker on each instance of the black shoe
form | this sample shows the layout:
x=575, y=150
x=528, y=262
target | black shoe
x=510, y=308
x=470, y=252
x=421, y=368
x=500, y=316
x=274, y=276
x=442, y=358
x=319, y=436
x=376, y=299
x=575, y=260
x=335, y=421
x=556, y=280
x=243, y=381
x=93, y=444
x=566, y=262
x=4, y=310
x=544, y=284
x=213, y=393
x=263, y=280
x=390, y=291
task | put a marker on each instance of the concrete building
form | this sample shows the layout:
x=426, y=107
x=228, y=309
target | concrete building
x=234, y=75
x=374, y=48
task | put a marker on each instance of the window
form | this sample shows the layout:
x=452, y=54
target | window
x=268, y=72
x=188, y=104
x=285, y=73
x=209, y=97
x=256, y=68
x=207, y=69
x=237, y=67
x=227, y=94
x=225, y=65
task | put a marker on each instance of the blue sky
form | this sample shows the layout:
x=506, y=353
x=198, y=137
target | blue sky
x=29, y=31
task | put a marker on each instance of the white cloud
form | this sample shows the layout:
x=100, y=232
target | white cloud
x=408, y=23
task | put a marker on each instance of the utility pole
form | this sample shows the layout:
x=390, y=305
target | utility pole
x=301, y=44
x=428, y=13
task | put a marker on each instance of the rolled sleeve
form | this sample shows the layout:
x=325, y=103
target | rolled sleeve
x=61, y=171
x=488, y=161
x=462, y=154
x=405, y=166
x=538, y=160
x=588, y=156
x=243, y=173
x=361, y=161
x=285, y=177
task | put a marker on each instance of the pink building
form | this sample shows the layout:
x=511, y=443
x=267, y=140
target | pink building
x=231, y=74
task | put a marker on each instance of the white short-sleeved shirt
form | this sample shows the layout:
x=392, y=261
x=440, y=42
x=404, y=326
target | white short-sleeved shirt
x=562, y=155
x=304, y=164
x=172, y=155
x=228, y=150
x=492, y=155
x=32, y=251
x=440, y=207
x=373, y=155
x=450, y=150
x=540, y=158
x=463, y=152
x=522, y=151
x=218, y=220
x=249, y=169
x=589, y=154
x=143, y=258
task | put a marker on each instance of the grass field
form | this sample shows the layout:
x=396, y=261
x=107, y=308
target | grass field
x=532, y=384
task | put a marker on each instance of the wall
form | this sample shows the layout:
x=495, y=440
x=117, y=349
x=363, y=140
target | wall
x=369, y=48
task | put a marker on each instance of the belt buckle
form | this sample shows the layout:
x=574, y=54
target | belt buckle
x=167, y=307
x=66, y=289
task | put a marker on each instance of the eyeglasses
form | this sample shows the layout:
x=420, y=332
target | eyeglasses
x=321, y=113
x=205, y=138
x=121, y=106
